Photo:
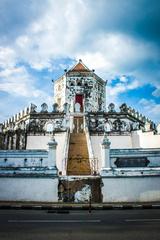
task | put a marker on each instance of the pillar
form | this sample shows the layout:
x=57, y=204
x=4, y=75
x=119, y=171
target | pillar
x=106, y=153
x=52, y=145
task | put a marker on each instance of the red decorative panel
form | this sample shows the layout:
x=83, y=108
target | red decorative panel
x=79, y=99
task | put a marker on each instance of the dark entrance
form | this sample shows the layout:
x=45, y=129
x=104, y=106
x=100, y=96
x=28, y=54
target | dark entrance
x=79, y=99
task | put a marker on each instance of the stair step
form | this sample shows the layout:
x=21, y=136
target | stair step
x=78, y=157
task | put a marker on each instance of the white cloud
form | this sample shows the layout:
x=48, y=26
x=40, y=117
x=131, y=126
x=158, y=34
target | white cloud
x=16, y=81
x=62, y=31
x=115, y=53
x=150, y=108
x=56, y=34
x=74, y=29
x=156, y=93
x=20, y=86
x=112, y=92
x=66, y=34
x=7, y=57
x=123, y=79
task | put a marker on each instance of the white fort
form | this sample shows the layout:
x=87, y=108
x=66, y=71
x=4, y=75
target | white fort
x=68, y=153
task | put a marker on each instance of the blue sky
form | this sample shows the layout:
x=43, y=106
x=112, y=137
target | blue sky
x=120, y=39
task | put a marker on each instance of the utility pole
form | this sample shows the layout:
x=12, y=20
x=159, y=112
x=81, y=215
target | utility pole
x=90, y=203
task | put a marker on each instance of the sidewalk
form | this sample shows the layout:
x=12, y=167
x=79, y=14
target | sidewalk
x=78, y=206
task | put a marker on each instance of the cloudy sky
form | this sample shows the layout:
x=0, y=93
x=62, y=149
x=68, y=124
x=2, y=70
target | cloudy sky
x=120, y=39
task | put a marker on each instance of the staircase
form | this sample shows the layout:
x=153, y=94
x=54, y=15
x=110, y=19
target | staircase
x=78, y=157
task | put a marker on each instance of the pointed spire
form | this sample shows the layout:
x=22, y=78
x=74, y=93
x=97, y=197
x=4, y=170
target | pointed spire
x=79, y=67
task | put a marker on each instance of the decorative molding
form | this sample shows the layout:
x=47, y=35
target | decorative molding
x=123, y=162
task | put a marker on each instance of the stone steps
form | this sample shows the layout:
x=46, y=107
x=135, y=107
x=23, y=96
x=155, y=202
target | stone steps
x=78, y=157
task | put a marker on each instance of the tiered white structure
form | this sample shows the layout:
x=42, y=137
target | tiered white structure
x=89, y=141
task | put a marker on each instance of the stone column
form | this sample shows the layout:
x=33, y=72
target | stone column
x=52, y=145
x=106, y=153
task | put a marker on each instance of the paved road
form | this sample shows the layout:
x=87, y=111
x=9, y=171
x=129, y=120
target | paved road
x=80, y=225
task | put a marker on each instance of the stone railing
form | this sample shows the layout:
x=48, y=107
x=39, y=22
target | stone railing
x=66, y=148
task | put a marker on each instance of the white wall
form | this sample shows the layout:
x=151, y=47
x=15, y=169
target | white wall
x=131, y=189
x=121, y=142
x=29, y=189
x=145, y=139
x=135, y=139
x=138, y=139
x=60, y=153
x=153, y=155
x=40, y=142
x=16, y=158
x=37, y=142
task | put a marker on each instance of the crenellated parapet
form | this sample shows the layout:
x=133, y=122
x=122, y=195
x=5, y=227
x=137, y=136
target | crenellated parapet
x=11, y=123
x=119, y=122
x=14, y=131
x=135, y=114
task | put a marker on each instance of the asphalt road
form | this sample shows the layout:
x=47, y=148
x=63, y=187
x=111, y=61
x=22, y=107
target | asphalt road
x=80, y=225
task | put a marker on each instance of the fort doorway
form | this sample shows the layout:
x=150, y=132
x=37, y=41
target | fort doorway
x=79, y=100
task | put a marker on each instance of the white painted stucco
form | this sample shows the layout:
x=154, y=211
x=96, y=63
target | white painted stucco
x=117, y=142
x=41, y=142
x=153, y=155
x=37, y=142
x=29, y=189
x=137, y=139
x=145, y=139
x=131, y=189
x=60, y=151
x=23, y=158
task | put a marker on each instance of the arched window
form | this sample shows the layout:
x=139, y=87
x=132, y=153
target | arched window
x=49, y=127
x=79, y=84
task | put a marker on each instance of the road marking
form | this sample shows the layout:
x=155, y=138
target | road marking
x=143, y=220
x=55, y=221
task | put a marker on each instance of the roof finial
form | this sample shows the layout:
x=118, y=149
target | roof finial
x=80, y=60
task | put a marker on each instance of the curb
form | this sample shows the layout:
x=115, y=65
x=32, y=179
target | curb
x=65, y=209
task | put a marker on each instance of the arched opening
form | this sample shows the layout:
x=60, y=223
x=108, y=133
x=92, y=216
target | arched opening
x=79, y=100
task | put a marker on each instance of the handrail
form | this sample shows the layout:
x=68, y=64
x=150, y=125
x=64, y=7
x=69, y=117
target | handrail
x=89, y=144
x=66, y=148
